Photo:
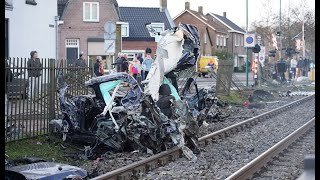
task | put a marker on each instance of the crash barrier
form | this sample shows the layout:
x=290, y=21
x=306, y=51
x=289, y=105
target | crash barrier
x=224, y=77
x=31, y=102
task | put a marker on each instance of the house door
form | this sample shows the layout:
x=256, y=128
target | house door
x=72, y=49
x=72, y=54
x=6, y=46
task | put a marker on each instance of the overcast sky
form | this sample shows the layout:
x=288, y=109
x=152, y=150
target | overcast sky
x=236, y=9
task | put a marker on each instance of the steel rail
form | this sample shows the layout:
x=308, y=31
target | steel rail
x=152, y=162
x=255, y=165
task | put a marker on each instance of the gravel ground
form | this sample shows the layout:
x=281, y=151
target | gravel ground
x=111, y=161
x=219, y=160
x=240, y=113
x=290, y=164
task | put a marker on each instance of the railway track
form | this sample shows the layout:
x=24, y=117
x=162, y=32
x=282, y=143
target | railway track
x=271, y=161
x=135, y=169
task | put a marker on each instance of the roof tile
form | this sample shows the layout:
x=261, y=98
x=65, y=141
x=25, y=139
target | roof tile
x=229, y=23
x=138, y=17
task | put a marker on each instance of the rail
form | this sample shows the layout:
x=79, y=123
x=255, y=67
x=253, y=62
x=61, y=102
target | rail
x=162, y=158
x=255, y=165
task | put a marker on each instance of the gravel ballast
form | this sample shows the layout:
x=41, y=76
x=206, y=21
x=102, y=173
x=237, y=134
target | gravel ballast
x=220, y=159
x=111, y=161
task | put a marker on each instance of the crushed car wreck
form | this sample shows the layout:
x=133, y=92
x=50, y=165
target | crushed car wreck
x=35, y=168
x=155, y=115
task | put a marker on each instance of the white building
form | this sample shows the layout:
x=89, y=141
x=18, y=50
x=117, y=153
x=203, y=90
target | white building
x=30, y=25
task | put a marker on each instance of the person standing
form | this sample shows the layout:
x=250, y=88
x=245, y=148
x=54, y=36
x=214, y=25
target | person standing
x=305, y=69
x=147, y=63
x=139, y=57
x=124, y=63
x=293, y=65
x=98, y=70
x=119, y=62
x=34, y=68
x=300, y=66
x=134, y=70
x=81, y=62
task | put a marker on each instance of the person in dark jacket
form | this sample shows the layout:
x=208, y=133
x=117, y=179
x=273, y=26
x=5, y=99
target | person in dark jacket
x=97, y=68
x=124, y=63
x=300, y=67
x=119, y=62
x=166, y=100
x=81, y=62
x=34, y=68
x=305, y=69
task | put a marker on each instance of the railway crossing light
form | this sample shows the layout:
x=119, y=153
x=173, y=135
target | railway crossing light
x=272, y=53
x=256, y=48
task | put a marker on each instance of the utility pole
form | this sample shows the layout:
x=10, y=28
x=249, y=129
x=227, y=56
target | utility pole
x=247, y=78
x=303, y=41
x=280, y=33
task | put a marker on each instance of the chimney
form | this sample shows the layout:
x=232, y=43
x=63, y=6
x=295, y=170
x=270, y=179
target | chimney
x=200, y=9
x=225, y=14
x=187, y=5
x=163, y=5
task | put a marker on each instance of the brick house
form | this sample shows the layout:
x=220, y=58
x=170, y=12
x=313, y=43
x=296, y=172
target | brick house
x=135, y=36
x=83, y=28
x=236, y=39
x=213, y=35
x=30, y=25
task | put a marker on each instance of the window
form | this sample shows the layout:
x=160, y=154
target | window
x=31, y=2
x=241, y=40
x=91, y=11
x=205, y=38
x=125, y=30
x=224, y=41
x=158, y=27
x=236, y=40
x=221, y=41
x=217, y=40
x=9, y=5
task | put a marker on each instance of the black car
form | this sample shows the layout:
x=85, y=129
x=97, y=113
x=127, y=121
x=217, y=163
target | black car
x=18, y=87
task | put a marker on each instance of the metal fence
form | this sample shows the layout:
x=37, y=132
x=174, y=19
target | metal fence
x=31, y=102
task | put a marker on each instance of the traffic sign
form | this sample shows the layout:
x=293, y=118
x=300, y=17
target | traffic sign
x=109, y=46
x=109, y=30
x=249, y=40
x=262, y=55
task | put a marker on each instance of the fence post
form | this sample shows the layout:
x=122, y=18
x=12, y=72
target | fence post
x=224, y=77
x=52, y=91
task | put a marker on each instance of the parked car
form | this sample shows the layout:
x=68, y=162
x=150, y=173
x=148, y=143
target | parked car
x=18, y=87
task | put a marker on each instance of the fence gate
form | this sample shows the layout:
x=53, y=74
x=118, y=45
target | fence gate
x=31, y=102
x=224, y=77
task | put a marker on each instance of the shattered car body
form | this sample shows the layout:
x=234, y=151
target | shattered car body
x=178, y=49
x=122, y=118
x=34, y=168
